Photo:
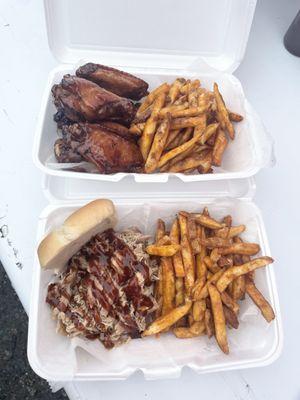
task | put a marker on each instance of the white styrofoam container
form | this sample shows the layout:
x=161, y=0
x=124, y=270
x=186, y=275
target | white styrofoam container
x=254, y=344
x=157, y=41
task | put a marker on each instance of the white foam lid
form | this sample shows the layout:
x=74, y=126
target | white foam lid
x=155, y=34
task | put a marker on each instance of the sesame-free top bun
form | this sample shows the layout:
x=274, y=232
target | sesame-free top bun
x=61, y=244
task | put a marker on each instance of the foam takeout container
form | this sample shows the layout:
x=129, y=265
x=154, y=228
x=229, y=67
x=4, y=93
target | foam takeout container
x=146, y=39
x=59, y=358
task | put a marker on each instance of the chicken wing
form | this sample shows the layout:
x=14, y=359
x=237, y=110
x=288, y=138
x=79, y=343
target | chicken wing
x=100, y=145
x=81, y=100
x=118, y=82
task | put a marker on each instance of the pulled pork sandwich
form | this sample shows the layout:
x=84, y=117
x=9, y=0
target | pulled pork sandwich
x=105, y=282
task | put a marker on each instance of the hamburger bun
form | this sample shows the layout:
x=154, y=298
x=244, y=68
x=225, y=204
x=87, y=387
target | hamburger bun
x=62, y=243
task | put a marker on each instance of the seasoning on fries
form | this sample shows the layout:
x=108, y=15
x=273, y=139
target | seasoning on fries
x=205, y=270
x=195, y=117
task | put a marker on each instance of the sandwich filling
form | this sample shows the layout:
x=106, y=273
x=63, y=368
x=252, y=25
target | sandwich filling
x=106, y=292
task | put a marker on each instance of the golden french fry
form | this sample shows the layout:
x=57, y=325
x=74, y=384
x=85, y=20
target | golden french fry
x=162, y=89
x=192, y=228
x=158, y=145
x=175, y=89
x=208, y=132
x=219, y=318
x=196, y=329
x=166, y=321
x=171, y=139
x=230, y=302
x=165, y=240
x=168, y=285
x=171, y=108
x=225, y=261
x=188, y=262
x=220, y=145
x=211, y=266
x=183, y=223
x=160, y=233
x=248, y=249
x=190, y=319
x=181, y=99
x=210, y=243
x=179, y=291
x=259, y=300
x=160, y=230
x=193, y=98
x=137, y=129
x=179, y=123
x=186, y=87
x=150, y=126
x=237, y=270
x=143, y=116
x=222, y=113
x=209, y=324
x=163, y=251
x=178, y=150
x=177, y=258
x=201, y=126
x=230, y=317
x=207, y=221
x=238, y=288
x=230, y=232
x=185, y=112
x=199, y=308
x=202, y=160
x=184, y=136
x=201, y=292
x=235, y=117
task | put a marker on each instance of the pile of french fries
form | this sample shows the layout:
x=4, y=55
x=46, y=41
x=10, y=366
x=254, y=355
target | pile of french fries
x=205, y=269
x=183, y=128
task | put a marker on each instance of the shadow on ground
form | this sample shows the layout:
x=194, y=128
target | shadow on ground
x=17, y=380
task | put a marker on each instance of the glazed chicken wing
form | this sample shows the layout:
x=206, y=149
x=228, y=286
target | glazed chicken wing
x=100, y=145
x=118, y=82
x=81, y=100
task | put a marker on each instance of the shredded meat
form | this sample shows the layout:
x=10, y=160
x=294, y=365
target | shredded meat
x=106, y=291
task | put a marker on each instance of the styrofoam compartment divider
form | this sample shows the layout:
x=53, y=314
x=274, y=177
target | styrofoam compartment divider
x=255, y=343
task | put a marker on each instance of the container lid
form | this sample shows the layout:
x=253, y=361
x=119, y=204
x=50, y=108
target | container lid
x=58, y=189
x=153, y=34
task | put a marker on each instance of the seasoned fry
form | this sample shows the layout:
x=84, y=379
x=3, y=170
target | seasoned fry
x=185, y=135
x=233, y=272
x=259, y=300
x=199, y=308
x=248, y=249
x=230, y=317
x=181, y=99
x=220, y=145
x=212, y=267
x=168, y=285
x=230, y=232
x=222, y=113
x=178, y=150
x=201, y=292
x=166, y=321
x=170, y=143
x=158, y=145
x=137, y=129
x=179, y=123
x=235, y=117
x=209, y=324
x=184, y=112
x=188, y=262
x=177, y=258
x=196, y=329
x=239, y=284
x=175, y=89
x=208, y=132
x=183, y=223
x=160, y=230
x=171, y=108
x=163, y=251
x=210, y=243
x=225, y=261
x=192, y=228
x=165, y=240
x=195, y=160
x=162, y=89
x=219, y=318
x=179, y=291
x=207, y=221
x=143, y=116
x=230, y=302
x=150, y=126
